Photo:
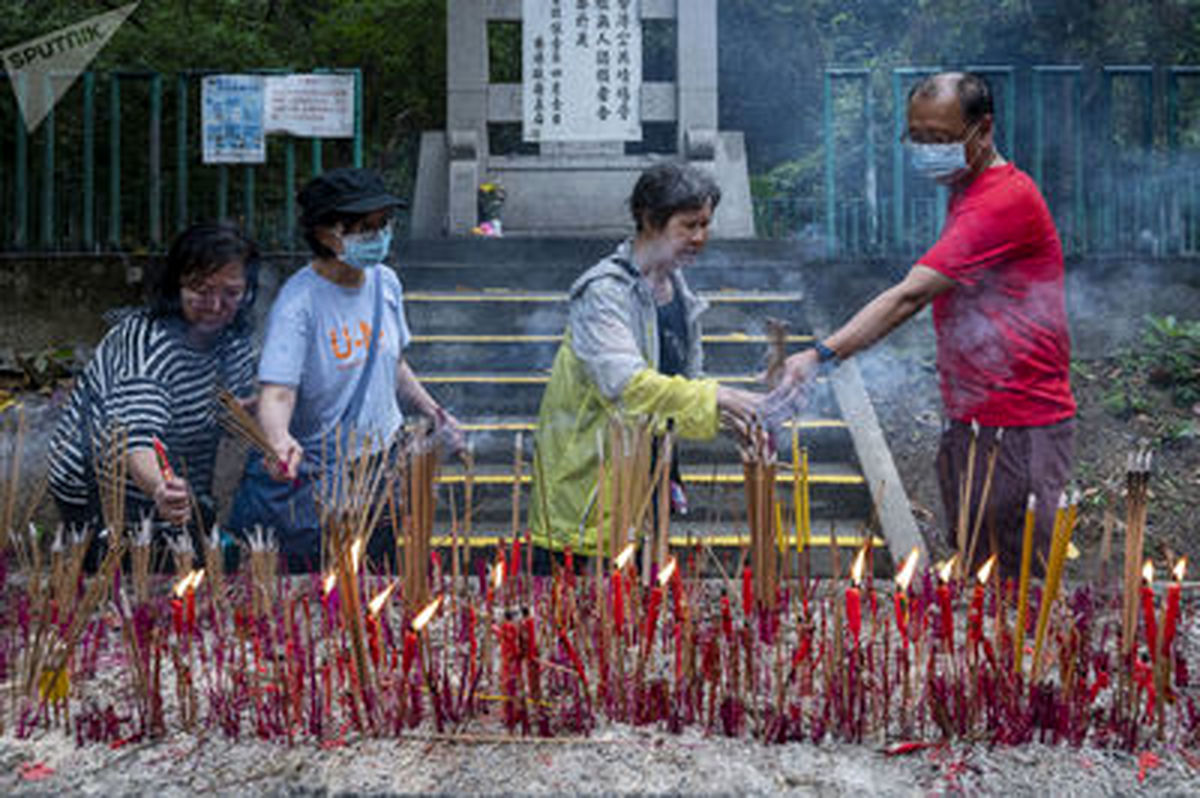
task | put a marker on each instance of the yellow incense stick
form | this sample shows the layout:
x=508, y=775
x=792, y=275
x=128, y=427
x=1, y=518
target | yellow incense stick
x=1023, y=591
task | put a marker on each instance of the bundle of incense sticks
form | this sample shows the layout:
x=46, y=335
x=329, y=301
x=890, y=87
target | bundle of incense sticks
x=758, y=470
x=1137, y=481
x=12, y=515
x=111, y=466
x=628, y=492
x=422, y=455
x=1064, y=525
x=241, y=424
x=264, y=566
x=350, y=500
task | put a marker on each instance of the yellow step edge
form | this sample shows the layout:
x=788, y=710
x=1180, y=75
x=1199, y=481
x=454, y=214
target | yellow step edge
x=529, y=426
x=692, y=478
x=458, y=338
x=500, y=296
x=678, y=541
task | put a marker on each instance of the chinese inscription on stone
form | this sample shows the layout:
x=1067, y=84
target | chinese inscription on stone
x=582, y=70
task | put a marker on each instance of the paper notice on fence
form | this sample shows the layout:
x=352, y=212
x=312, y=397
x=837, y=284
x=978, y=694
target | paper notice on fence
x=313, y=106
x=232, y=119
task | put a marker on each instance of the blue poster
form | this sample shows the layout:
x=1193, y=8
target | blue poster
x=232, y=119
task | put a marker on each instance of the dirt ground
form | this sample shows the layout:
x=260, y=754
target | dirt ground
x=620, y=760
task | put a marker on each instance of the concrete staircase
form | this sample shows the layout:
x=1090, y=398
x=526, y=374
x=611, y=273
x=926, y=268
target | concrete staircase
x=487, y=318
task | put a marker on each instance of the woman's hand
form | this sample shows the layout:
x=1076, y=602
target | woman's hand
x=172, y=500
x=737, y=408
x=289, y=454
x=449, y=430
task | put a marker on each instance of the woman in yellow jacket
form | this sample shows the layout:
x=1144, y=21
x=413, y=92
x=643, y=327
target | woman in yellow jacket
x=631, y=349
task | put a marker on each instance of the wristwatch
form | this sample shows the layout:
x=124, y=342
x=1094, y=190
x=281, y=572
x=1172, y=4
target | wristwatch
x=825, y=355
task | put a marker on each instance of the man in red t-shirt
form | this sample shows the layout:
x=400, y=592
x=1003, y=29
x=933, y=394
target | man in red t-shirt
x=995, y=278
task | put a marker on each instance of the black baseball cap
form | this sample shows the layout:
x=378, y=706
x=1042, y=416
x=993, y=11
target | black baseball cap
x=346, y=191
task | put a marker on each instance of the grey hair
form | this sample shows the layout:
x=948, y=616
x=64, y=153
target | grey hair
x=666, y=189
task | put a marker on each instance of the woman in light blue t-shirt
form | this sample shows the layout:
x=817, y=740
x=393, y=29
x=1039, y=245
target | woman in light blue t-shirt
x=332, y=360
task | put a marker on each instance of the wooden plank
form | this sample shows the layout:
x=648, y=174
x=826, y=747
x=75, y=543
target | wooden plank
x=875, y=459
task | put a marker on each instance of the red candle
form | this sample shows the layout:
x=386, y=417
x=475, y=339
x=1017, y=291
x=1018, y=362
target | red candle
x=975, y=616
x=177, y=616
x=726, y=617
x=618, y=601
x=191, y=611
x=652, y=606
x=943, y=597
x=569, y=566
x=373, y=639
x=1172, y=613
x=854, y=611
x=1148, y=608
x=900, y=601
x=410, y=652
x=854, y=596
x=747, y=591
x=531, y=651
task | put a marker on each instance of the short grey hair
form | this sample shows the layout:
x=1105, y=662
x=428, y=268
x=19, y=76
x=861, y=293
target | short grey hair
x=668, y=188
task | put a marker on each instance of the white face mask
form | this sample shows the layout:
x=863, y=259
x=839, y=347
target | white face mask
x=940, y=162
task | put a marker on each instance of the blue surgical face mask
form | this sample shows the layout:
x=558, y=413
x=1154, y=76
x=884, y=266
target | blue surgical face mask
x=940, y=162
x=944, y=163
x=364, y=250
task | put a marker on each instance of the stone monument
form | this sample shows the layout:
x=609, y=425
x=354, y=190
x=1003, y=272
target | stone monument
x=574, y=186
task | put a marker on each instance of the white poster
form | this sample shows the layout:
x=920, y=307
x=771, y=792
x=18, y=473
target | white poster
x=232, y=119
x=313, y=106
x=582, y=63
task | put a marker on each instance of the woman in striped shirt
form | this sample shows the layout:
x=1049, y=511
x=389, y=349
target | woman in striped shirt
x=155, y=375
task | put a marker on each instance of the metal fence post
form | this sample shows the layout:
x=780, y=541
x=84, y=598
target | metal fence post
x=830, y=137
x=89, y=160
x=155, y=136
x=114, y=160
x=181, y=152
x=47, y=215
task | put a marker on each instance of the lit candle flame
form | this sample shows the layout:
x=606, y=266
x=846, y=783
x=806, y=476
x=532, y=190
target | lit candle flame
x=189, y=581
x=624, y=557
x=857, y=569
x=376, y=604
x=1180, y=569
x=330, y=583
x=425, y=615
x=946, y=569
x=985, y=570
x=1148, y=572
x=904, y=578
x=356, y=553
x=668, y=570
x=498, y=575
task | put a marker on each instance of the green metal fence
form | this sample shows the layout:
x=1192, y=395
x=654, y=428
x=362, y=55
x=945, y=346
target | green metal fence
x=119, y=143
x=1115, y=150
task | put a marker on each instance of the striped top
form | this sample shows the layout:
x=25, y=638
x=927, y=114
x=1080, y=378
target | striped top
x=146, y=377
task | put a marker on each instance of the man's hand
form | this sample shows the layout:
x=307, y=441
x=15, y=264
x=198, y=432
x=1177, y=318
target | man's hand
x=172, y=501
x=798, y=373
